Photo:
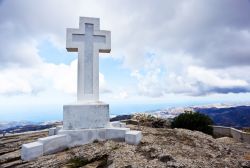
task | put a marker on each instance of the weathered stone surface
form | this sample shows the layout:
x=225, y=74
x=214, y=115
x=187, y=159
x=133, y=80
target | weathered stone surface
x=237, y=134
x=133, y=137
x=52, y=131
x=31, y=151
x=83, y=136
x=91, y=115
x=53, y=143
x=88, y=41
x=219, y=131
x=115, y=124
x=246, y=137
x=71, y=138
x=116, y=133
x=58, y=128
x=123, y=125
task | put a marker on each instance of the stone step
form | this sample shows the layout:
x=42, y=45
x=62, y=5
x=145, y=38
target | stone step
x=31, y=151
x=71, y=138
x=133, y=137
x=116, y=133
x=53, y=143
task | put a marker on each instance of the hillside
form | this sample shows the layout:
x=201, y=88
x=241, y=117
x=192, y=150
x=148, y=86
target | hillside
x=163, y=147
x=225, y=115
x=238, y=116
x=19, y=127
x=222, y=114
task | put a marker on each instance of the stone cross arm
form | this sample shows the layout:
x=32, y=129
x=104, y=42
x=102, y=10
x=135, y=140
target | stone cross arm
x=75, y=37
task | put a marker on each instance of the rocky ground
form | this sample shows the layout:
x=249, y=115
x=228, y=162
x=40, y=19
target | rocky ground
x=160, y=147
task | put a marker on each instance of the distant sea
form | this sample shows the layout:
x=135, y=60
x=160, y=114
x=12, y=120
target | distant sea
x=55, y=112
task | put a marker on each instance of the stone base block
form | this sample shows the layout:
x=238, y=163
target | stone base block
x=83, y=136
x=52, y=131
x=133, y=137
x=31, y=151
x=123, y=125
x=58, y=128
x=117, y=124
x=70, y=138
x=116, y=133
x=85, y=116
x=53, y=143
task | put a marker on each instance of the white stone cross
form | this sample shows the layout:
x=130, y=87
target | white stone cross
x=88, y=41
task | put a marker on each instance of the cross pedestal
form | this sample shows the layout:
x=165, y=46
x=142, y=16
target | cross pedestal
x=85, y=115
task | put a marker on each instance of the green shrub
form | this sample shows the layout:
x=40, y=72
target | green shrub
x=193, y=121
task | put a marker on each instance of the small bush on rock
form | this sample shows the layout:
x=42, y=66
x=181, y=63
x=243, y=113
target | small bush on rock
x=193, y=121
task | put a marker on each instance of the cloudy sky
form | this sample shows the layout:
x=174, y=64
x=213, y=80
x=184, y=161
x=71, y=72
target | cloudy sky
x=162, y=51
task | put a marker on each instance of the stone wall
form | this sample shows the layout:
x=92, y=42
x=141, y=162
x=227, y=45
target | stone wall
x=220, y=131
x=236, y=134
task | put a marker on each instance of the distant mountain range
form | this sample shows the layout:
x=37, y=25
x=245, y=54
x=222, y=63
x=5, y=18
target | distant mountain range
x=225, y=115
x=237, y=116
x=6, y=125
x=24, y=126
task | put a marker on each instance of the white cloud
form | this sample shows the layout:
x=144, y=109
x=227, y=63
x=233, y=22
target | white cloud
x=156, y=79
x=103, y=86
x=123, y=94
x=45, y=76
x=120, y=95
x=195, y=50
x=149, y=84
x=211, y=78
x=11, y=82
